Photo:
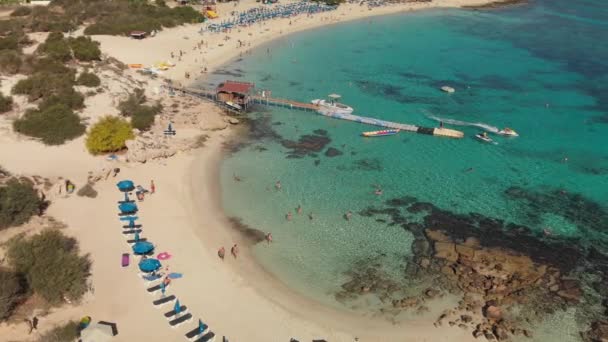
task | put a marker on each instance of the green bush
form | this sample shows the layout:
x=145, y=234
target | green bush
x=62, y=333
x=85, y=49
x=44, y=84
x=130, y=105
x=109, y=135
x=10, y=61
x=143, y=117
x=18, y=202
x=9, y=43
x=6, y=103
x=51, y=265
x=88, y=79
x=21, y=11
x=56, y=47
x=10, y=288
x=54, y=124
x=52, y=66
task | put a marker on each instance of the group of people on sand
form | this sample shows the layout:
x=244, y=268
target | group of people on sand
x=234, y=251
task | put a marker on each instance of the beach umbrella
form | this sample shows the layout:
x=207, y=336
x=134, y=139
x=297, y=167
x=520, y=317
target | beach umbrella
x=128, y=207
x=201, y=326
x=177, y=307
x=149, y=265
x=136, y=237
x=163, y=288
x=125, y=185
x=142, y=247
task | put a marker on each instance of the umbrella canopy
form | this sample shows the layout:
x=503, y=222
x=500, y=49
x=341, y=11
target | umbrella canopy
x=127, y=207
x=149, y=265
x=201, y=326
x=97, y=333
x=125, y=185
x=177, y=307
x=142, y=247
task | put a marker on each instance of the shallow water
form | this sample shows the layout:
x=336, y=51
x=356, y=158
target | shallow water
x=540, y=69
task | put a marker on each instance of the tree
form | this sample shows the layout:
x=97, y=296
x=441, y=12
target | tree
x=143, y=117
x=6, y=103
x=18, y=202
x=85, y=49
x=109, y=135
x=54, y=124
x=51, y=264
x=56, y=47
x=10, y=288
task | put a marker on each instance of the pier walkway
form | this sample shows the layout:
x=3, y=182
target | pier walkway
x=290, y=104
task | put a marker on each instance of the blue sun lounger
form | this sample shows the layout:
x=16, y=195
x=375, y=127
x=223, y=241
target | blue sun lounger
x=172, y=313
x=196, y=331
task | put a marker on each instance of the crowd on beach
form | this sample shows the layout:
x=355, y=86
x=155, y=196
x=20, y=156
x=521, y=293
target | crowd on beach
x=260, y=14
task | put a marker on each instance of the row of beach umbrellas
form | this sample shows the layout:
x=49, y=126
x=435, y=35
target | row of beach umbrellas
x=127, y=209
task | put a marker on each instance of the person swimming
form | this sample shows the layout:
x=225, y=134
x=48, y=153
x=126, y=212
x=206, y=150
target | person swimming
x=348, y=215
x=299, y=209
x=289, y=216
x=378, y=192
x=278, y=185
x=310, y=217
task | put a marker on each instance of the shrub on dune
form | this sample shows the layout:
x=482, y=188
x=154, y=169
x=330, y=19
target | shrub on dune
x=51, y=264
x=6, y=103
x=54, y=124
x=88, y=79
x=18, y=202
x=109, y=135
x=10, y=288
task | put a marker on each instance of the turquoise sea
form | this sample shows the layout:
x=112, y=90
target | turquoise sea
x=540, y=68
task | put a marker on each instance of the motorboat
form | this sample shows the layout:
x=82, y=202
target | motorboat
x=380, y=133
x=448, y=89
x=332, y=106
x=234, y=105
x=508, y=132
x=483, y=137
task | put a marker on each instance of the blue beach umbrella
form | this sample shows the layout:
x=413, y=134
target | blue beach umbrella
x=128, y=207
x=125, y=185
x=149, y=265
x=201, y=326
x=163, y=288
x=142, y=247
x=177, y=307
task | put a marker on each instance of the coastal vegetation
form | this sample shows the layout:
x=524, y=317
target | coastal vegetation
x=53, y=124
x=51, y=265
x=18, y=202
x=142, y=116
x=10, y=289
x=88, y=79
x=108, y=135
x=6, y=103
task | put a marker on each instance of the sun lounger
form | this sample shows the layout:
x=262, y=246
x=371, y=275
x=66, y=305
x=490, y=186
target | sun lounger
x=180, y=320
x=132, y=231
x=164, y=300
x=132, y=227
x=208, y=337
x=196, y=331
x=172, y=313
x=129, y=201
x=134, y=241
x=155, y=288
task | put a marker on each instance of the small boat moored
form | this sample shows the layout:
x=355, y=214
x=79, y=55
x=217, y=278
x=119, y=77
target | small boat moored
x=448, y=89
x=508, y=132
x=332, y=106
x=234, y=105
x=380, y=133
x=484, y=137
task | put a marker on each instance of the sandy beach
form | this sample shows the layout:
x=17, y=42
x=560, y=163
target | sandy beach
x=236, y=298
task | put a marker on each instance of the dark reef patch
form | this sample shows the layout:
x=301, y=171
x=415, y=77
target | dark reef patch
x=251, y=235
x=225, y=72
x=306, y=144
x=333, y=152
x=392, y=92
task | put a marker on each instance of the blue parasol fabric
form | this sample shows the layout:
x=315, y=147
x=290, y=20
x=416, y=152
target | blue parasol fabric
x=174, y=275
x=128, y=207
x=142, y=247
x=149, y=265
x=128, y=218
x=125, y=185
x=201, y=326
x=177, y=307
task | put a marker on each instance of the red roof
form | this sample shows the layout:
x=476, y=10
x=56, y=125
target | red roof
x=235, y=87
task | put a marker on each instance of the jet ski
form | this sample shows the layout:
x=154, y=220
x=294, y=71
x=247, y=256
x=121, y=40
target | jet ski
x=508, y=132
x=483, y=137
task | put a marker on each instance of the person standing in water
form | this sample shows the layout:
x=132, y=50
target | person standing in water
x=348, y=215
x=289, y=216
x=299, y=209
x=277, y=185
x=234, y=250
x=221, y=253
x=269, y=238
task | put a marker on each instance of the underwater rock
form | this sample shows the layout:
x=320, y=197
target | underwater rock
x=251, y=234
x=598, y=332
x=306, y=144
x=333, y=152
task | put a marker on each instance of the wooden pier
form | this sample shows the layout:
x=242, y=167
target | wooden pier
x=290, y=104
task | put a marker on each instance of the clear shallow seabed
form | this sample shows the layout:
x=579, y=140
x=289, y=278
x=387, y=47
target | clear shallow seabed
x=540, y=68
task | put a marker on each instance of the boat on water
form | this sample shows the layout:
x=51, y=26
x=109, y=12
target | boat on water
x=448, y=89
x=332, y=106
x=484, y=137
x=508, y=132
x=381, y=133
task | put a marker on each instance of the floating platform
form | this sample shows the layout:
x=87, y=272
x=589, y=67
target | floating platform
x=290, y=104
